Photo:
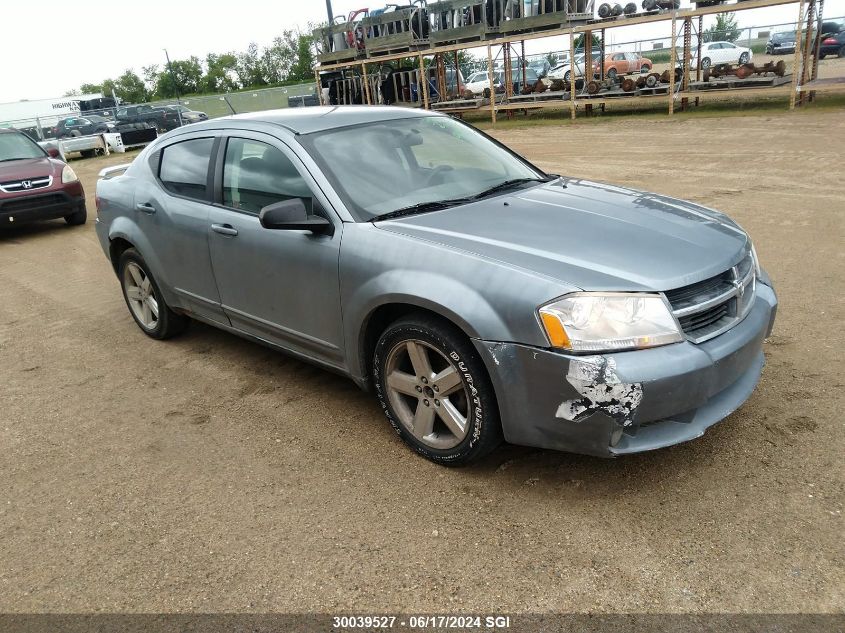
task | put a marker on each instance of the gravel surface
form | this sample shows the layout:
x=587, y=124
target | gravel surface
x=210, y=474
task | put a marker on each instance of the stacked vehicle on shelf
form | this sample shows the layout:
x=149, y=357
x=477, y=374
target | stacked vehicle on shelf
x=419, y=25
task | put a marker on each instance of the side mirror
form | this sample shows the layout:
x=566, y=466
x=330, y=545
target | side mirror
x=291, y=215
x=52, y=152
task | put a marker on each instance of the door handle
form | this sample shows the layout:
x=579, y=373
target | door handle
x=224, y=229
x=145, y=207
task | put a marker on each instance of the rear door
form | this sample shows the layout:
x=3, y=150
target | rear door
x=173, y=213
x=279, y=285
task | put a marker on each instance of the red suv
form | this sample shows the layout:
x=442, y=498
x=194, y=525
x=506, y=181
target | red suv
x=35, y=185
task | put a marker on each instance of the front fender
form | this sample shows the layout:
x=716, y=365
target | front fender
x=435, y=292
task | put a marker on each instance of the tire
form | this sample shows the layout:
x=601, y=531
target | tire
x=645, y=68
x=75, y=133
x=80, y=216
x=611, y=74
x=567, y=77
x=168, y=323
x=705, y=63
x=406, y=390
x=88, y=153
x=743, y=59
x=823, y=55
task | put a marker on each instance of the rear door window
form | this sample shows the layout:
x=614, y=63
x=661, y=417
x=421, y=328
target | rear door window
x=184, y=168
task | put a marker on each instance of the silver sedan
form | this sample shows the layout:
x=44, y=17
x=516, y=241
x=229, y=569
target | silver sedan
x=479, y=298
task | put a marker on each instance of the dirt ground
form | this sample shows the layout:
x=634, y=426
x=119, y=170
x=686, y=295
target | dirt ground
x=210, y=474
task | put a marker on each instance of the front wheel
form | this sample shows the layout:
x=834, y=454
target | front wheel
x=435, y=391
x=567, y=78
x=145, y=300
x=611, y=74
x=645, y=68
x=743, y=59
x=80, y=216
x=705, y=63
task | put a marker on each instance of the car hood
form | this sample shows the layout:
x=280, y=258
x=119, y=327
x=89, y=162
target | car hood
x=28, y=168
x=589, y=235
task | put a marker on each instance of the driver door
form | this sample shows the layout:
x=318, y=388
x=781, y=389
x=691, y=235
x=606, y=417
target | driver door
x=281, y=286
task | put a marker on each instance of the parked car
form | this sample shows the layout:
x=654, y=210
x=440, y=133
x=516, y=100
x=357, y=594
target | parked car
x=832, y=45
x=625, y=64
x=84, y=125
x=35, y=184
x=480, y=81
x=715, y=53
x=780, y=43
x=540, y=66
x=564, y=71
x=477, y=296
x=188, y=115
x=161, y=119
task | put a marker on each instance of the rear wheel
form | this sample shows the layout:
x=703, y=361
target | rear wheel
x=144, y=299
x=705, y=63
x=611, y=74
x=435, y=390
x=645, y=68
x=743, y=59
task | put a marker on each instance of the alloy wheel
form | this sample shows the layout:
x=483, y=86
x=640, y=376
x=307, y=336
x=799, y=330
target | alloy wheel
x=428, y=394
x=140, y=295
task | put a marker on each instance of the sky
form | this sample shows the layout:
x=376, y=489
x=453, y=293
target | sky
x=94, y=40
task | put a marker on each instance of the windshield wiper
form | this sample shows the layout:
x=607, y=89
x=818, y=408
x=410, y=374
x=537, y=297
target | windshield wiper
x=509, y=184
x=422, y=207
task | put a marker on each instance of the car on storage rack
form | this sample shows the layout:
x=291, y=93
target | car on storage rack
x=477, y=296
x=477, y=82
x=84, y=125
x=35, y=185
x=717, y=53
x=564, y=71
x=780, y=43
x=621, y=63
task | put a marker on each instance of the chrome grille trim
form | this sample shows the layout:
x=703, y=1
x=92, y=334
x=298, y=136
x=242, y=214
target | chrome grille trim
x=15, y=186
x=701, y=315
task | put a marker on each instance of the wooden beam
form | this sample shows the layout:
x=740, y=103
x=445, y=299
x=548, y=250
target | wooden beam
x=490, y=81
x=672, y=64
x=796, y=56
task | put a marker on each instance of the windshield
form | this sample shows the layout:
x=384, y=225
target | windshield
x=385, y=166
x=18, y=147
x=477, y=77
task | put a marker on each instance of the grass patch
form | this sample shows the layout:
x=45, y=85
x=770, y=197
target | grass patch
x=721, y=109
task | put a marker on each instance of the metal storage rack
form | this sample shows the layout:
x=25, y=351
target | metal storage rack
x=681, y=86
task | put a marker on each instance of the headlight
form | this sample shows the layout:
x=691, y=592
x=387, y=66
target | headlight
x=603, y=322
x=68, y=175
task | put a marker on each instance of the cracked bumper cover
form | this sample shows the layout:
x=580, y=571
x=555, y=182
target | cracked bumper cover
x=627, y=402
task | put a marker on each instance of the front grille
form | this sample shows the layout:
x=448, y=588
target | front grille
x=26, y=184
x=700, y=321
x=707, y=308
x=34, y=202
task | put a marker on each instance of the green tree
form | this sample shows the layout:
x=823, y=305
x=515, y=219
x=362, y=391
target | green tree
x=278, y=58
x=220, y=73
x=150, y=74
x=90, y=89
x=187, y=75
x=129, y=87
x=302, y=68
x=725, y=29
x=249, y=70
x=579, y=42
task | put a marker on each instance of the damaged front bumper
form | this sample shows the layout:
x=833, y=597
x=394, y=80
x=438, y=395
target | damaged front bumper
x=627, y=402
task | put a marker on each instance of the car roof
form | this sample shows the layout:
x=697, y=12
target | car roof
x=319, y=118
